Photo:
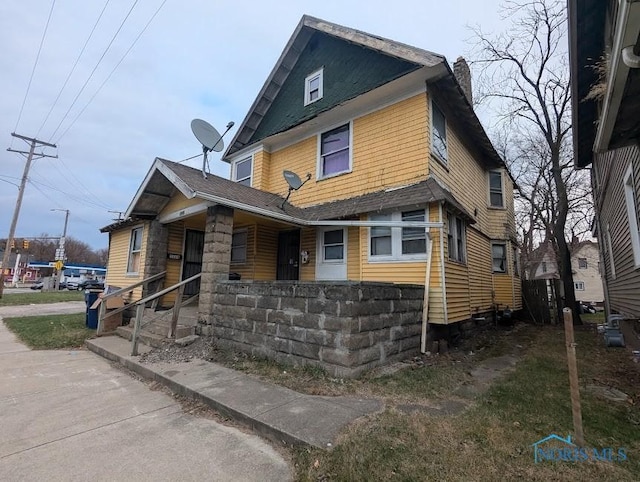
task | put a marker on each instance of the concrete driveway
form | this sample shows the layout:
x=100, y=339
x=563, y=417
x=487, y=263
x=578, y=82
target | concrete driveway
x=68, y=415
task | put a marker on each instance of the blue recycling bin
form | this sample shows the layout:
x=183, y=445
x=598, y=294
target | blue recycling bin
x=91, y=319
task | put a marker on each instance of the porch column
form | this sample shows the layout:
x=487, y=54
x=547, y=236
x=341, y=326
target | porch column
x=216, y=259
x=156, y=254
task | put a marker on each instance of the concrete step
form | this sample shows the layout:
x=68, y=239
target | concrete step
x=145, y=337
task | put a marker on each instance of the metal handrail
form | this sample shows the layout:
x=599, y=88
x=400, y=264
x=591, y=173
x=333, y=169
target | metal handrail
x=102, y=313
x=140, y=305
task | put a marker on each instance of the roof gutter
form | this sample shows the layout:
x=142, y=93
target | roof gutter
x=625, y=36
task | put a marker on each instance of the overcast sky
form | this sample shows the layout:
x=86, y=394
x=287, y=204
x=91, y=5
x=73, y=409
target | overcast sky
x=197, y=59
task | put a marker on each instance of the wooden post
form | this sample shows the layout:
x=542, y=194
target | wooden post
x=425, y=300
x=136, y=329
x=573, y=376
x=102, y=311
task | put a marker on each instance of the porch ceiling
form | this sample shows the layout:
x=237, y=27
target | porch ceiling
x=154, y=197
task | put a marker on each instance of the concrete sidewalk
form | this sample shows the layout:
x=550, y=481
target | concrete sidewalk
x=275, y=412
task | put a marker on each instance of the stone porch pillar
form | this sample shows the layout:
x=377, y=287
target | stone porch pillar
x=156, y=255
x=215, y=261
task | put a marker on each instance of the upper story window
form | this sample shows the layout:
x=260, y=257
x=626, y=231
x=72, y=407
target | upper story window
x=335, y=152
x=313, y=88
x=582, y=263
x=438, y=133
x=239, y=246
x=496, y=195
x=499, y=257
x=633, y=210
x=456, y=239
x=135, y=251
x=544, y=266
x=396, y=243
x=579, y=285
x=241, y=171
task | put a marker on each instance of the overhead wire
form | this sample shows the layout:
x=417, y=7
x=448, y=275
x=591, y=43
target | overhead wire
x=33, y=70
x=64, y=85
x=112, y=71
x=94, y=70
x=73, y=197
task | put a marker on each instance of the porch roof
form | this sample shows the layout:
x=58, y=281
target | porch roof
x=165, y=178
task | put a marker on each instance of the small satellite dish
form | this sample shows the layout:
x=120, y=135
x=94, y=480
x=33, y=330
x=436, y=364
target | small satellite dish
x=208, y=136
x=292, y=179
x=294, y=182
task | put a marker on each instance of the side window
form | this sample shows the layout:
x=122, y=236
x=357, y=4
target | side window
x=242, y=170
x=414, y=240
x=496, y=196
x=380, y=236
x=335, y=152
x=135, y=250
x=438, y=133
x=388, y=243
x=456, y=238
x=313, y=87
x=239, y=246
x=499, y=257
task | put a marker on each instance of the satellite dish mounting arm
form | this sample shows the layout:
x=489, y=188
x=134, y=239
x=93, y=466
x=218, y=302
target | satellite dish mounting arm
x=291, y=188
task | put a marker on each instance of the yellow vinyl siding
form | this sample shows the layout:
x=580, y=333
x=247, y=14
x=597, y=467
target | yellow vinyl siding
x=504, y=289
x=119, y=257
x=174, y=266
x=389, y=149
x=178, y=202
x=247, y=268
x=261, y=162
x=353, y=254
x=480, y=279
x=457, y=280
x=266, y=252
x=308, y=243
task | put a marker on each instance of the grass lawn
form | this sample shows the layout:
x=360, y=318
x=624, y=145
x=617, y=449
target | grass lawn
x=50, y=331
x=37, y=297
x=492, y=440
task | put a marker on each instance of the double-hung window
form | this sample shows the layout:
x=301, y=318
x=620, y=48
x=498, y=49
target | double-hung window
x=456, y=238
x=438, y=133
x=582, y=263
x=335, y=151
x=239, y=246
x=135, y=251
x=499, y=257
x=388, y=243
x=313, y=88
x=579, y=285
x=496, y=196
x=333, y=246
x=242, y=171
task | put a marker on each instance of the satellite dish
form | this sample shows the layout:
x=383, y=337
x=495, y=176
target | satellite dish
x=292, y=179
x=208, y=136
x=294, y=182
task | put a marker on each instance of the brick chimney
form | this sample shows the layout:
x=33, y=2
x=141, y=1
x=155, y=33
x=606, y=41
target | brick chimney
x=463, y=76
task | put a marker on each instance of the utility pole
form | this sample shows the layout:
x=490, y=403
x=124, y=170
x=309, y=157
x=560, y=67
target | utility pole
x=60, y=254
x=12, y=230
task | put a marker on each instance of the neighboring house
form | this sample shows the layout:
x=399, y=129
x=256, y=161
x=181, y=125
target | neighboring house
x=25, y=272
x=405, y=186
x=605, y=75
x=585, y=264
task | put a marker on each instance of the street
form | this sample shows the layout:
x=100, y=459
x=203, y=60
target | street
x=69, y=415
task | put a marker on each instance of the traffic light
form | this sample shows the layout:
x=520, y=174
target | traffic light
x=25, y=244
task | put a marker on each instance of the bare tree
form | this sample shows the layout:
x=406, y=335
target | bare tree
x=525, y=75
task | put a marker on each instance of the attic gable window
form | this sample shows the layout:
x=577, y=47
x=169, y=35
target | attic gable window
x=313, y=88
x=241, y=171
x=335, y=152
x=438, y=133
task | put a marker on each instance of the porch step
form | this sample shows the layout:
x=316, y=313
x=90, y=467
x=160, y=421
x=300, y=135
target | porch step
x=156, y=325
x=149, y=339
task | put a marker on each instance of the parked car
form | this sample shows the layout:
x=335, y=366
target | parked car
x=91, y=284
x=73, y=284
x=37, y=285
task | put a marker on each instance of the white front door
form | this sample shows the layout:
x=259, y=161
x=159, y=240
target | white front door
x=331, y=254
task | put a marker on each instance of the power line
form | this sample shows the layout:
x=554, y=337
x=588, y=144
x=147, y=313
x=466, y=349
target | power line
x=94, y=68
x=70, y=195
x=112, y=71
x=55, y=102
x=35, y=64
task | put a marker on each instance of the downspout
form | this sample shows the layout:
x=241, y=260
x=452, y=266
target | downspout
x=425, y=301
x=444, y=284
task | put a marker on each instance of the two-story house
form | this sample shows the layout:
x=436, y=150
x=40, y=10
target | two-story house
x=404, y=185
x=605, y=79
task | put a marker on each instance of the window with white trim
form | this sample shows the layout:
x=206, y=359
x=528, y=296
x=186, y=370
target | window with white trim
x=396, y=243
x=438, y=133
x=135, y=251
x=239, y=246
x=335, y=152
x=496, y=195
x=242, y=171
x=456, y=238
x=632, y=214
x=333, y=246
x=313, y=88
x=578, y=285
x=582, y=263
x=499, y=257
